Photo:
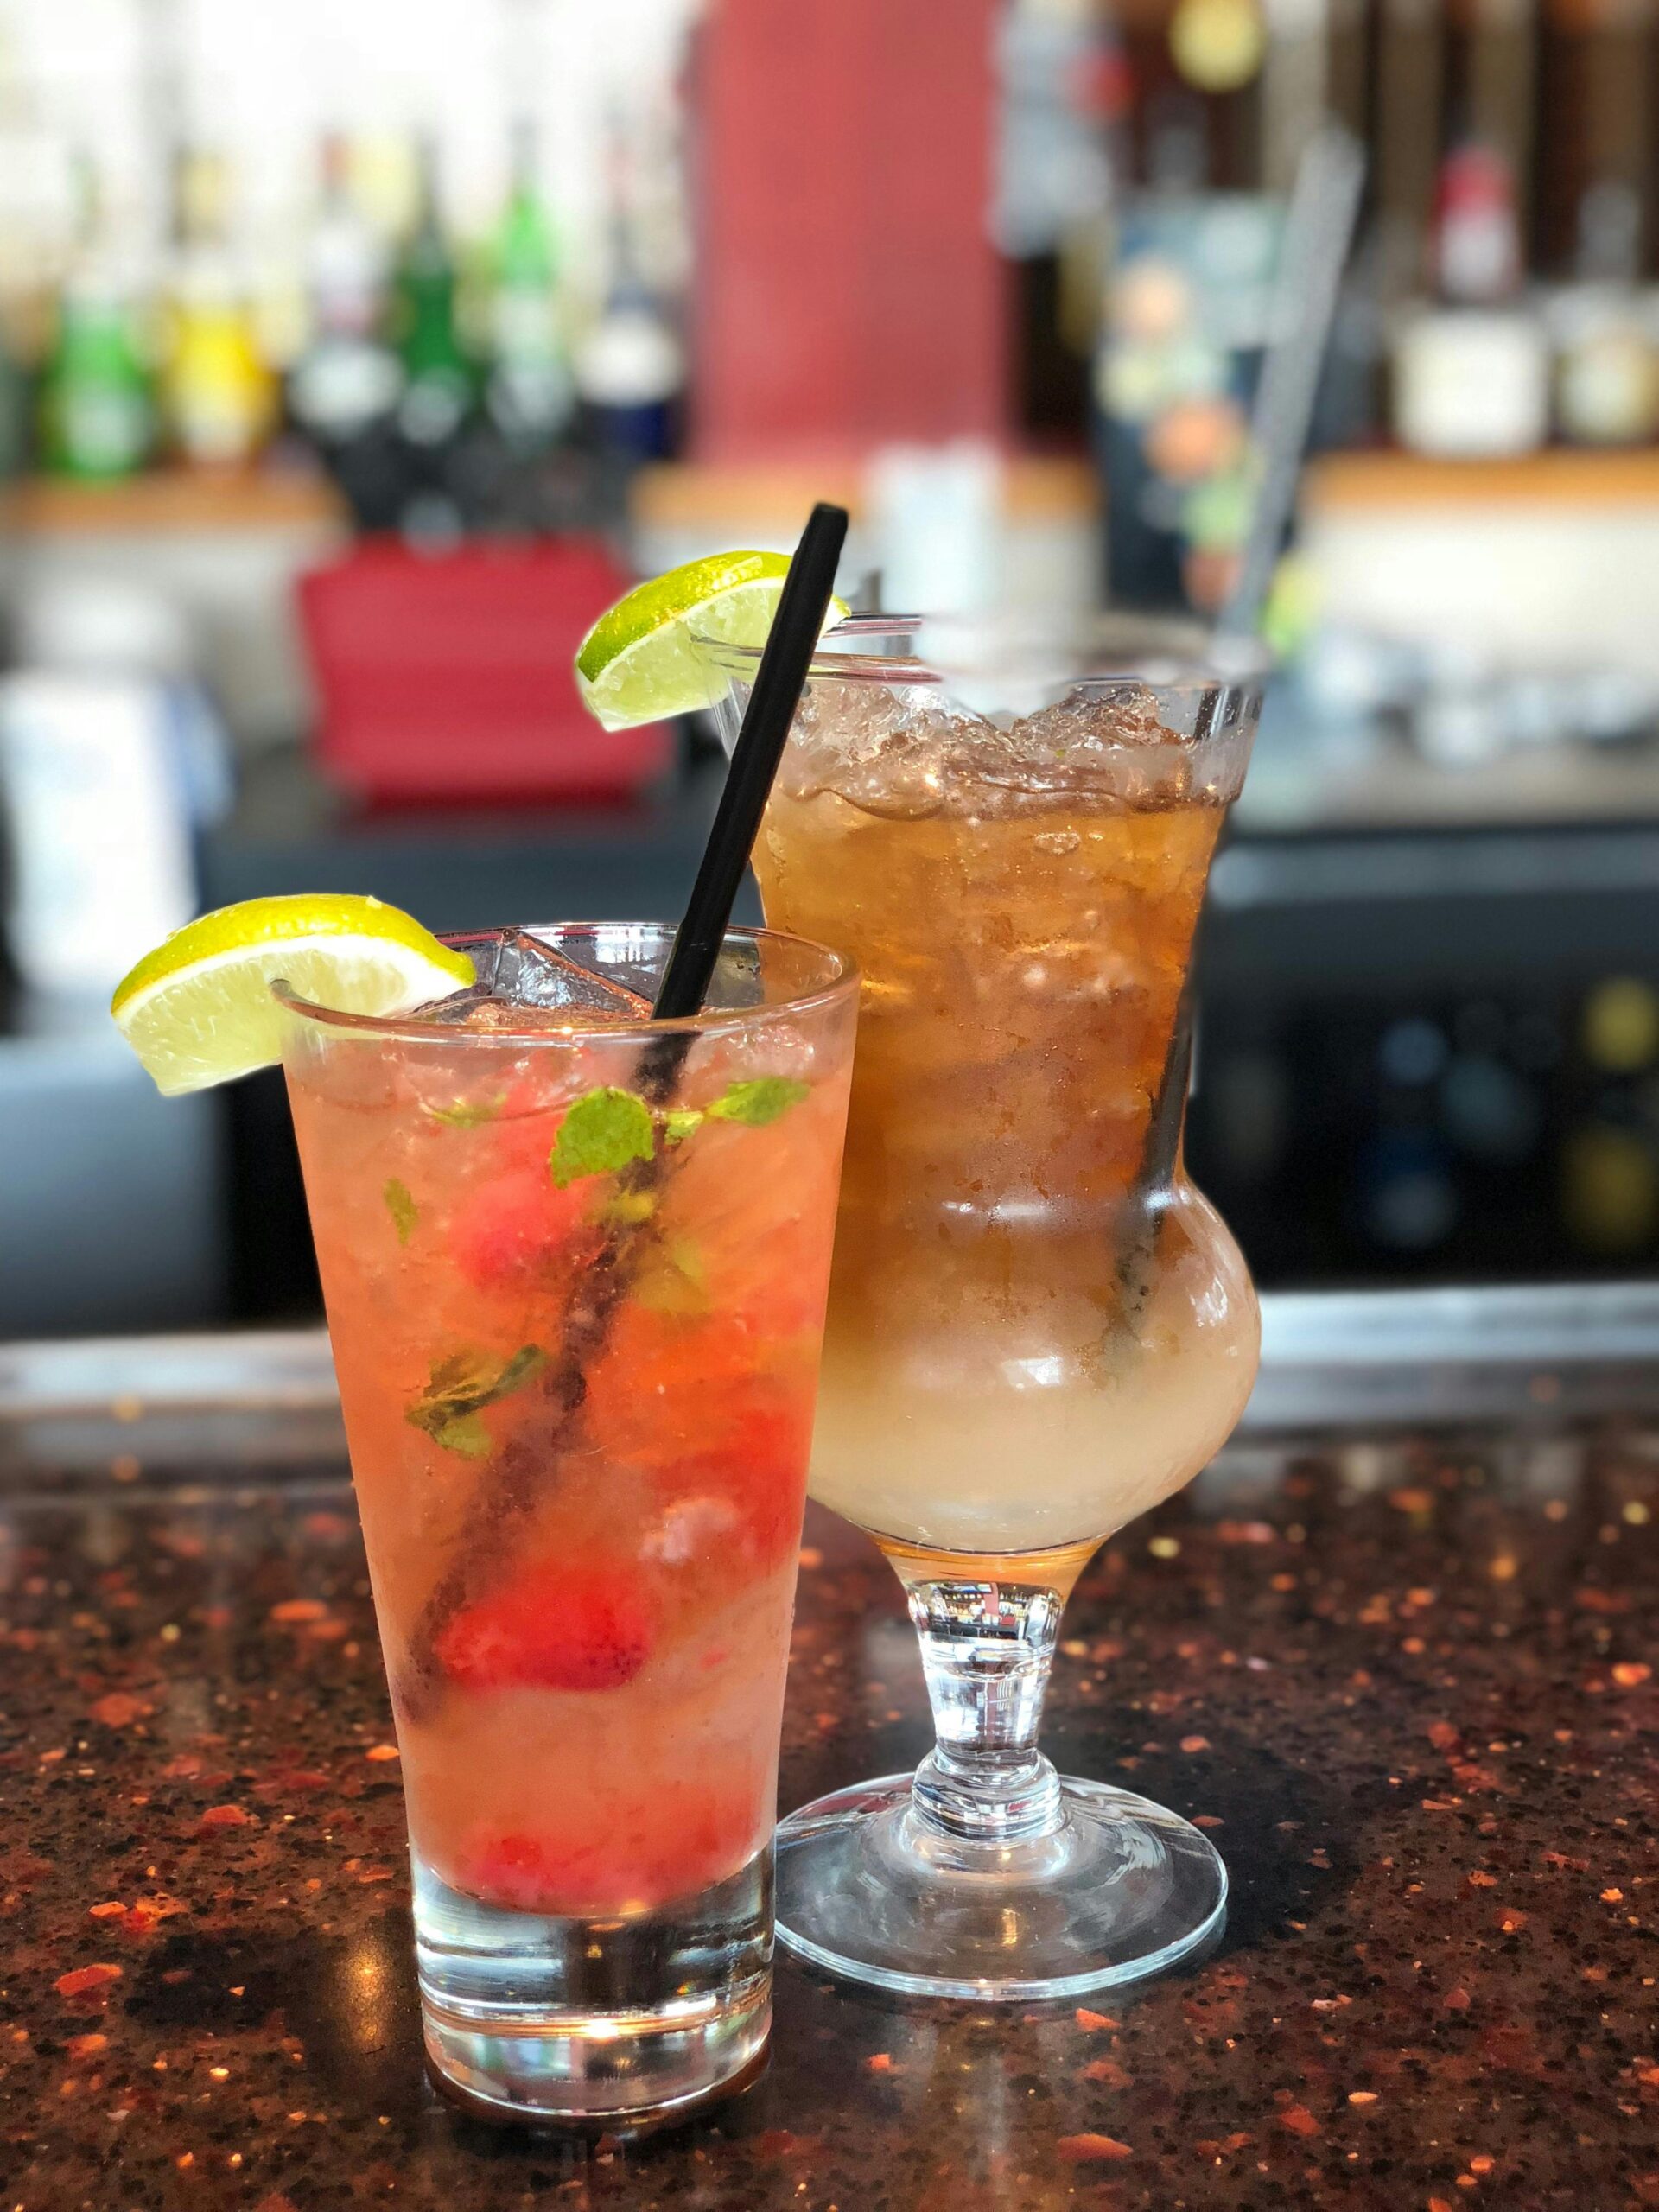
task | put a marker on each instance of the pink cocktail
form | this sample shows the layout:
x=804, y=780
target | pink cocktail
x=576, y=1270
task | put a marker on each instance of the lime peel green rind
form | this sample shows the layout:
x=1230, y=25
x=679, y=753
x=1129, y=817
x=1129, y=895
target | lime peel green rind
x=671, y=598
x=640, y=663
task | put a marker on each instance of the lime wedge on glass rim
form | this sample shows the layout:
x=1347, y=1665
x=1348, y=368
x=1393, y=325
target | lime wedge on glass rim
x=198, y=1010
x=637, y=663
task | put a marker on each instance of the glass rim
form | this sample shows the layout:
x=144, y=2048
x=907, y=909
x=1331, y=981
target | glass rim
x=715, y=1021
x=1163, y=652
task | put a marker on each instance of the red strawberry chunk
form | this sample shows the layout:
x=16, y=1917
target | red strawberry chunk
x=515, y=1228
x=759, y=1464
x=563, y=1628
x=603, y=1856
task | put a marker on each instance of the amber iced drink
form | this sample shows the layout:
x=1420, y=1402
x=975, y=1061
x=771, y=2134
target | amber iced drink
x=1038, y=1328
x=574, y=1270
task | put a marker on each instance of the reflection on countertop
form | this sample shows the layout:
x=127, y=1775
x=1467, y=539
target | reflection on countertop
x=1403, y=1674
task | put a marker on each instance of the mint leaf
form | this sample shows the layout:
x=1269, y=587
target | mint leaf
x=402, y=1207
x=528, y=1360
x=466, y=1113
x=757, y=1102
x=601, y=1134
x=467, y=1434
x=461, y=1375
x=682, y=1122
x=459, y=1385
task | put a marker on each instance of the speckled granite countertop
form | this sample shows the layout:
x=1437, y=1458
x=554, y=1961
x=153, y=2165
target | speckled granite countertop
x=1405, y=1677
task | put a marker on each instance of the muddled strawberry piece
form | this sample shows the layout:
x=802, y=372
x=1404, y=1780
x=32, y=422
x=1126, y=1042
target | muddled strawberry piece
x=755, y=1462
x=698, y=1407
x=605, y=1857
x=518, y=1228
x=564, y=1628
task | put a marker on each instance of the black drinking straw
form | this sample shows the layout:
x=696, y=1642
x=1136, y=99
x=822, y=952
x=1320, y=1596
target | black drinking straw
x=778, y=683
x=521, y=1473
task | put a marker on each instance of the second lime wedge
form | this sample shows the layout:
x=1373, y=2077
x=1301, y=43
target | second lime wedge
x=637, y=663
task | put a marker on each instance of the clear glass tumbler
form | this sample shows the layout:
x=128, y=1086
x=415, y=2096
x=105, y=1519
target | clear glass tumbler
x=574, y=1267
x=1038, y=1327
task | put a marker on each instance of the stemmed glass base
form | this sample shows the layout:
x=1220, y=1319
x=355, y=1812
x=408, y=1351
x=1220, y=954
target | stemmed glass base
x=1115, y=1890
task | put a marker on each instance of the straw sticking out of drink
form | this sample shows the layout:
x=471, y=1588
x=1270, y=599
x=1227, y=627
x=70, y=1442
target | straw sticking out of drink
x=1323, y=208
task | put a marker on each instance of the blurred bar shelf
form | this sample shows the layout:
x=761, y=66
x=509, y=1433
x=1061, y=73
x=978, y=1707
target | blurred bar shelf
x=1035, y=487
x=172, y=500
x=1048, y=536
x=1562, y=476
x=1540, y=563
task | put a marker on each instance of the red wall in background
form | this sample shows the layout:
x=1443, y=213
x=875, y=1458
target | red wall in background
x=848, y=292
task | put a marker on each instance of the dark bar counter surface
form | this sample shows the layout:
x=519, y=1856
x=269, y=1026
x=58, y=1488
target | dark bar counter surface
x=1395, y=1650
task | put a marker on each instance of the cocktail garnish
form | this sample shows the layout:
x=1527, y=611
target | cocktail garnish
x=458, y=1389
x=609, y=1129
x=402, y=1207
x=602, y=1133
x=199, y=1009
x=758, y=1102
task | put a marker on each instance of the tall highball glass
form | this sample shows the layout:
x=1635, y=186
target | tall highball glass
x=1038, y=1327
x=575, y=1263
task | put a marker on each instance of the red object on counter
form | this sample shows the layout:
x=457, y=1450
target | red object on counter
x=449, y=676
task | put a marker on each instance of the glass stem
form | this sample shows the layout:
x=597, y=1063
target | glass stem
x=987, y=1648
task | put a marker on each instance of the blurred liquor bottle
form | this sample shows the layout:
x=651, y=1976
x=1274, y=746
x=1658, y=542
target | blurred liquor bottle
x=1471, y=365
x=1606, y=336
x=1472, y=369
x=630, y=365
x=1599, y=79
x=344, y=387
x=96, y=408
x=218, y=394
x=32, y=248
x=530, y=392
x=1606, y=333
x=441, y=382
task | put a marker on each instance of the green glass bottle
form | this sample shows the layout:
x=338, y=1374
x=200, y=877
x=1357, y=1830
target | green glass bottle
x=439, y=384
x=97, y=409
x=531, y=392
